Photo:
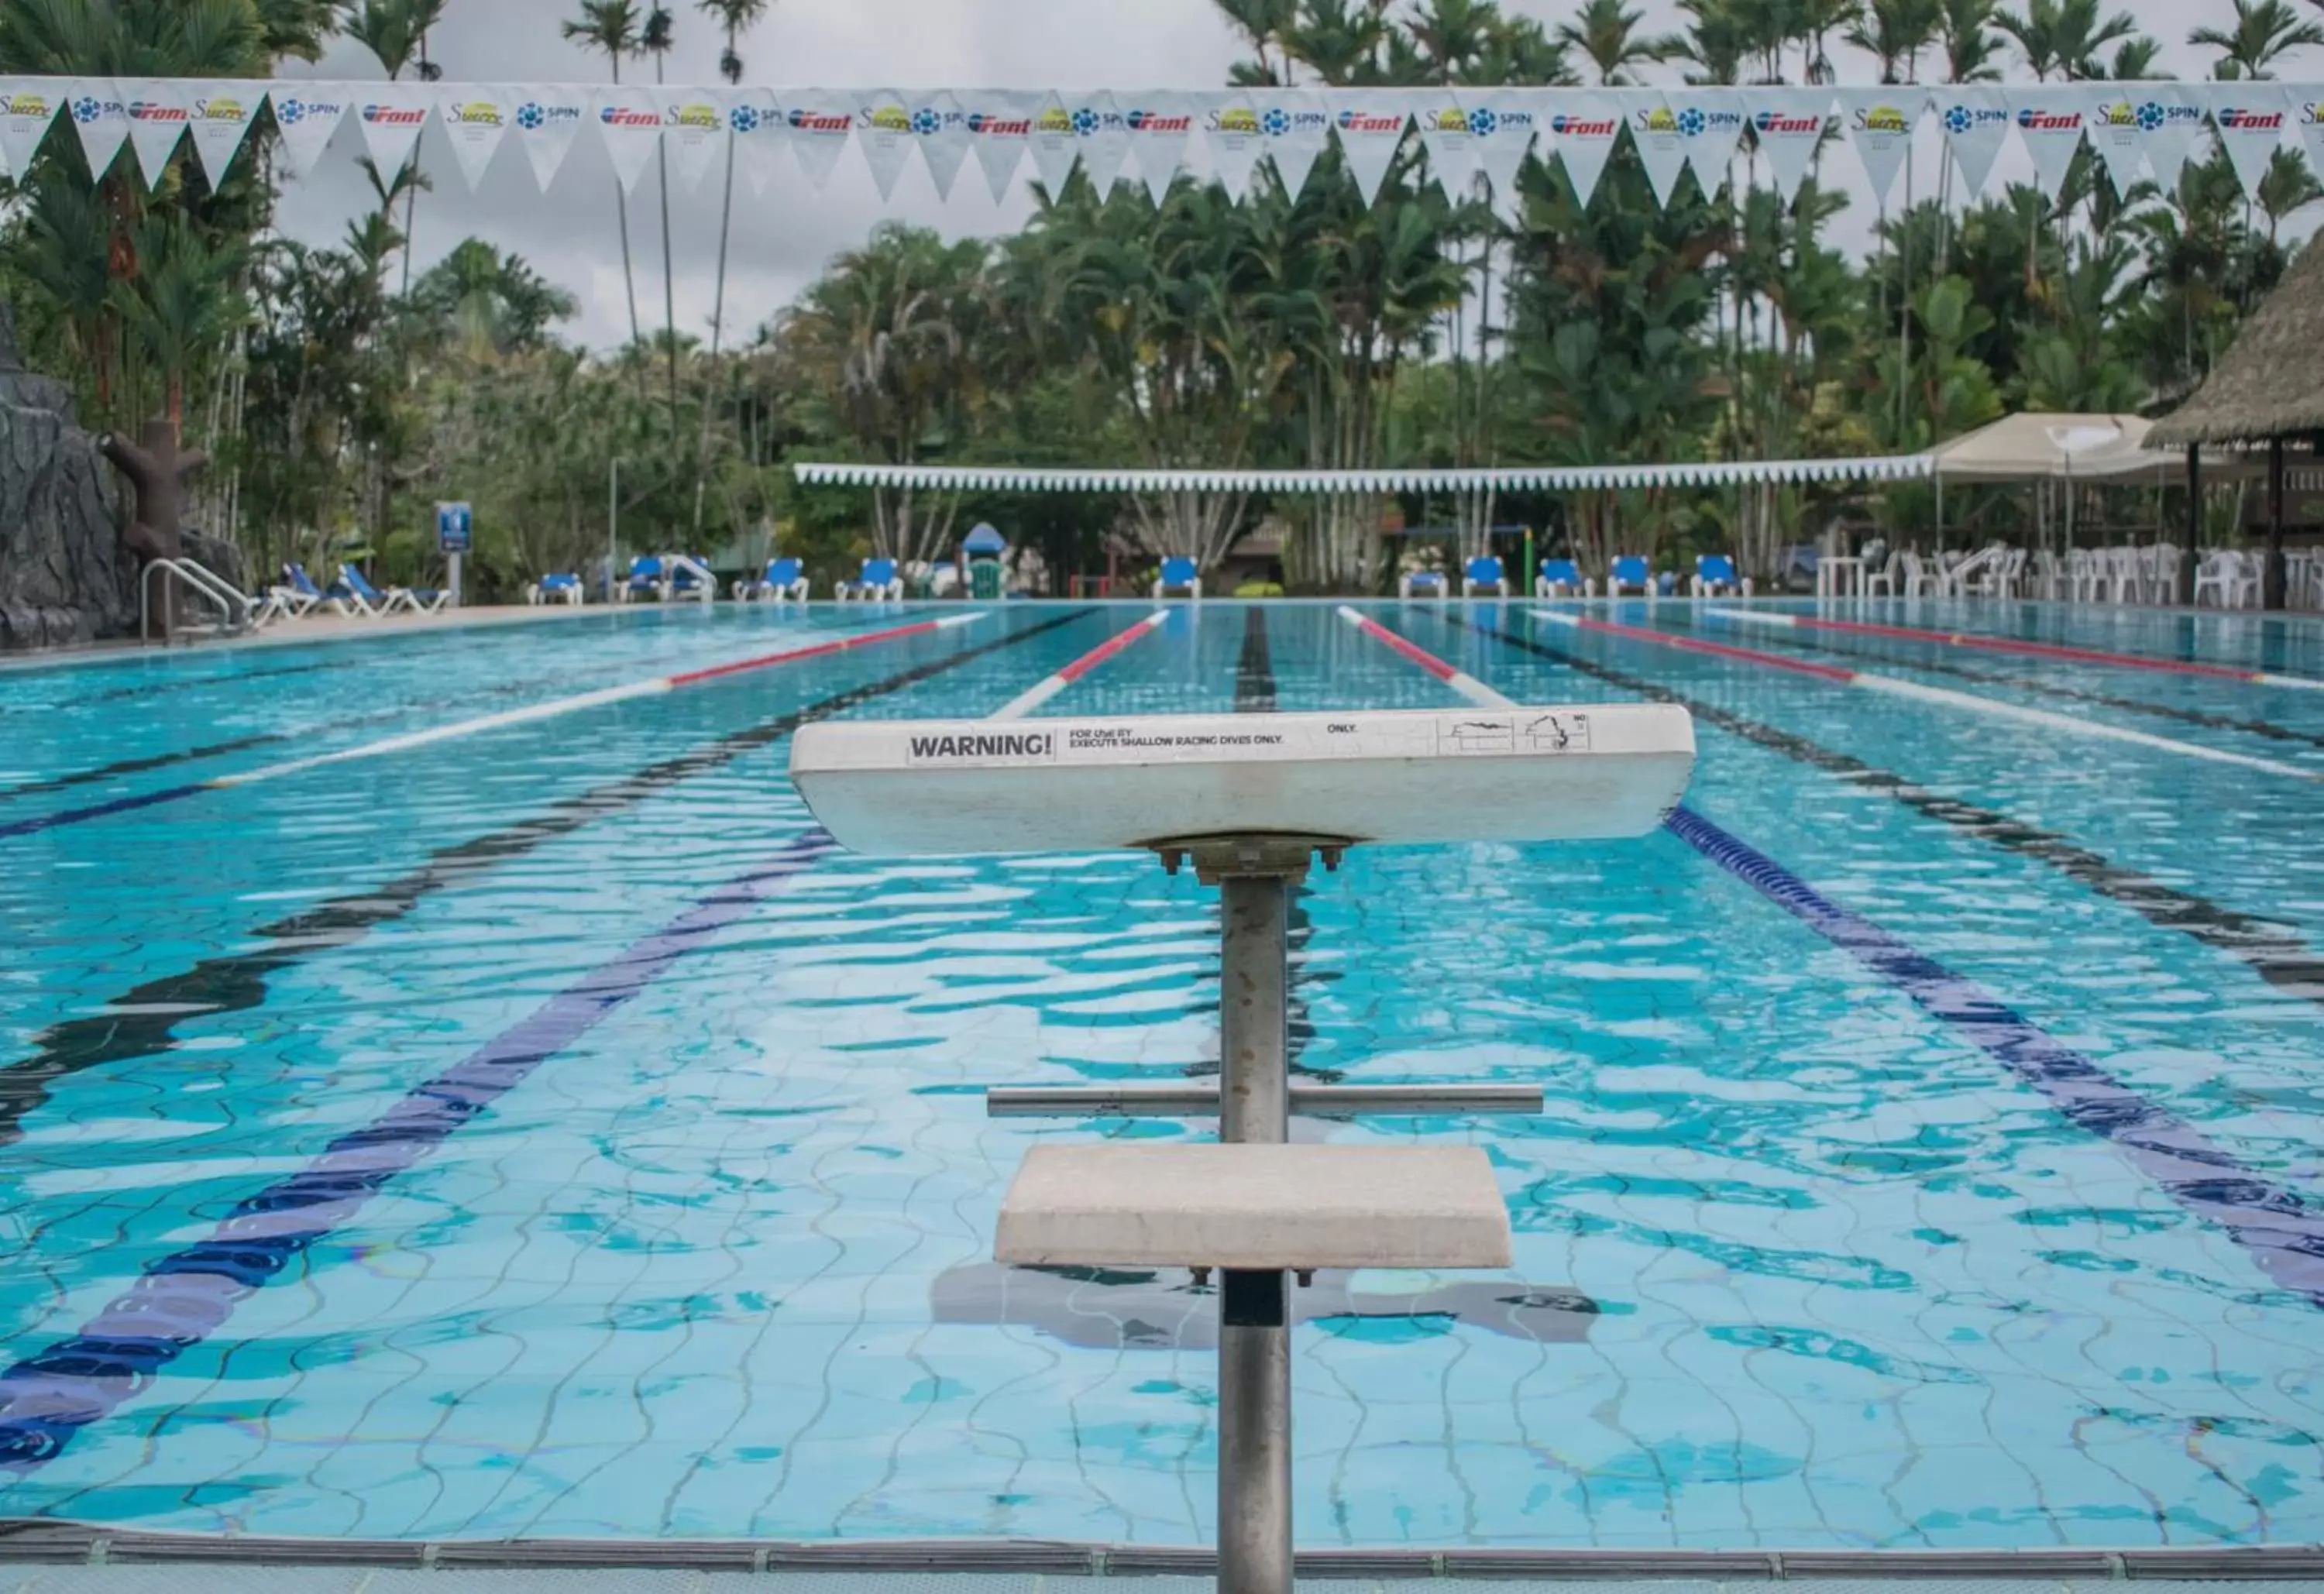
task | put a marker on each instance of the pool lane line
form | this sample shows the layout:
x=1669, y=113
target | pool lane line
x=1970, y=702
x=2271, y=950
x=1255, y=690
x=1467, y=685
x=2185, y=717
x=2284, y=1232
x=141, y=1022
x=1050, y=685
x=658, y=687
x=181, y=1299
x=1965, y=639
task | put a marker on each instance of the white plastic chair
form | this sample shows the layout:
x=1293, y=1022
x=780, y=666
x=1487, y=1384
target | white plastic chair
x=1885, y=576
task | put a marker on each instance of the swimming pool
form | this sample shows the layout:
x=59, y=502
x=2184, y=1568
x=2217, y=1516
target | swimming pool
x=1859, y=1217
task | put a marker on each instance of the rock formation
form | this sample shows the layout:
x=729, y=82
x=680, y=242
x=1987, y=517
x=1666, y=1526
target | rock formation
x=64, y=577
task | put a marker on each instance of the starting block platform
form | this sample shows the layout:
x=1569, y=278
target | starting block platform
x=1251, y=801
x=1402, y=776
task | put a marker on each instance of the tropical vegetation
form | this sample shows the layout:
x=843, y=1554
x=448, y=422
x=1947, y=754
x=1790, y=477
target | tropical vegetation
x=344, y=388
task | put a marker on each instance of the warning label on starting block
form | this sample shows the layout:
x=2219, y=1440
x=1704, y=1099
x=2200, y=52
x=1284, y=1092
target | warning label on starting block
x=1526, y=732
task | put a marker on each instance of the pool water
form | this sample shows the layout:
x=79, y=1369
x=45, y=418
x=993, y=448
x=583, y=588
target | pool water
x=690, y=1235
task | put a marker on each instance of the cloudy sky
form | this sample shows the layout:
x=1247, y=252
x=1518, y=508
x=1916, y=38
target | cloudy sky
x=782, y=240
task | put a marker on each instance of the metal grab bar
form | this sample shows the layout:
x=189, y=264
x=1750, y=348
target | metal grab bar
x=234, y=607
x=703, y=579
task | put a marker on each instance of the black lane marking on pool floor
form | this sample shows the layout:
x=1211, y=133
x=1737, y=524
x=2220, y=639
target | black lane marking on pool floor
x=140, y=1022
x=2273, y=951
x=2186, y=716
x=189, y=684
x=1254, y=693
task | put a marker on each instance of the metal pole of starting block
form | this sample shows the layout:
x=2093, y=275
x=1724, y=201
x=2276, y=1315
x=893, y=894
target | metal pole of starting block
x=1254, y=877
x=1254, y=1321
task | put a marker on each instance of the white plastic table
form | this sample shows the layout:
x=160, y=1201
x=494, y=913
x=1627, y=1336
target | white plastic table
x=1829, y=575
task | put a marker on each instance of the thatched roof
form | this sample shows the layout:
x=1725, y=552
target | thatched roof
x=2270, y=384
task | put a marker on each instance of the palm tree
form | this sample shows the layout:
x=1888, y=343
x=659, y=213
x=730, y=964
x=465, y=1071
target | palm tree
x=2064, y=37
x=1896, y=32
x=612, y=26
x=1966, y=33
x=736, y=17
x=656, y=38
x=396, y=32
x=1263, y=22
x=1606, y=33
x=2265, y=30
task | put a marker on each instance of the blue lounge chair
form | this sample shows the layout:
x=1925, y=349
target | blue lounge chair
x=372, y=600
x=1423, y=584
x=782, y=581
x=1631, y=571
x=557, y=587
x=647, y=579
x=1562, y=579
x=880, y=581
x=300, y=597
x=1482, y=572
x=1179, y=575
x=1715, y=574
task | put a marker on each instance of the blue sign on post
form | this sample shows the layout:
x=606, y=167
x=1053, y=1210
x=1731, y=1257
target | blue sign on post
x=454, y=528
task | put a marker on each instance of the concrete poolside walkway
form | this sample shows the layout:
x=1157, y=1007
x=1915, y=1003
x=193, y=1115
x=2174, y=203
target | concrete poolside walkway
x=244, y=1580
x=316, y=628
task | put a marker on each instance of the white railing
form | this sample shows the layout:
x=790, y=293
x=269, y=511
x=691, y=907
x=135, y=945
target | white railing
x=705, y=583
x=234, y=608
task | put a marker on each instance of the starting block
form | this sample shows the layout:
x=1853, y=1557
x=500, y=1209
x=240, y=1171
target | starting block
x=1250, y=801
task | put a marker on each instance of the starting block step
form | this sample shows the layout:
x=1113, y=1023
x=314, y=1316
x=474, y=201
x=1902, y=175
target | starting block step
x=1255, y=1208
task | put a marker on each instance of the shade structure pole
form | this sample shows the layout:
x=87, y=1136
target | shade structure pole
x=2272, y=580
x=2183, y=585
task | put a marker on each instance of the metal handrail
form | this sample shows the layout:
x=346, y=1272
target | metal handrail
x=673, y=563
x=234, y=607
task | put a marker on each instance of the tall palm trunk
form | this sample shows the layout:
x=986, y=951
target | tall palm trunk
x=622, y=211
x=669, y=272
x=411, y=196
x=717, y=304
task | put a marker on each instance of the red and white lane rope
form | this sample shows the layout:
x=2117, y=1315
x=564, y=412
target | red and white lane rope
x=656, y=688
x=1992, y=644
x=1049, y=685
x=1461, y=681
x=1991, y=708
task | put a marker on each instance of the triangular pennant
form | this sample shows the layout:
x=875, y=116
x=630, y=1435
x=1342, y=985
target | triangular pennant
x=157, y=120
x=1582, y=132
x=821, y=123
x=27, y=107
x=883, y=132
x=754, y=118
x=2170, y=145
x=548, y=117
x=2308, y=116
x=475, y=117
x=1296, y=125
x=1160, y=123
x=101, y=117
x=2050, y=122
x=392, y=115
x=630, y=122
x=1053, y=145
x=1789, y=126
x=940, y=127
x=1975, y=122
x=1230, y=129
x=999, y=123
x=1880, y=124
x=693, y=133
x=306, y=115
x=1370, y=124
x=1502, y=124
x=2118, y=119
x=1103, y=137
x=2251, y=119
x=1711, y=126
x=1444, y=123
x=1654, y=133
x=219, y=115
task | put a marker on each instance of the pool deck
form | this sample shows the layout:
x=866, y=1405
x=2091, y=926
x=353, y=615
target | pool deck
x=246, y=1579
